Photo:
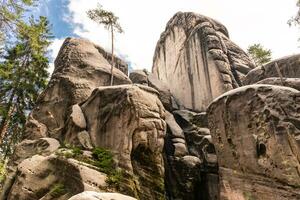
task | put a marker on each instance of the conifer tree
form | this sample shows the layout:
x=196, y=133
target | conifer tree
x=23, y=74
x=111, y=23
x=10, y=14
x=259, y=54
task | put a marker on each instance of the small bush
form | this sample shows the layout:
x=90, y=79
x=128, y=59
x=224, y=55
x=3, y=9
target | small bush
x=115, y=177
x=76, y=151
x=103, y=160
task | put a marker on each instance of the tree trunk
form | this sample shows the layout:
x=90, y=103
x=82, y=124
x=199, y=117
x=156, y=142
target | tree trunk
x=6, y=120
x=112, y=56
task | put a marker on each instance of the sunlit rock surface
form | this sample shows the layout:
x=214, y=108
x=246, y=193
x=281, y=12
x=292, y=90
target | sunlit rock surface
x=197, y=61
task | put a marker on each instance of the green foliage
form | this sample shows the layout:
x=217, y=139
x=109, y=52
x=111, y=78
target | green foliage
x=103, y=159
x=115, y=178
x=107, y=18
x=11, y=14
x=110, y=22
x=76, y=151
x=58, y=190
x=23, y=75
x=259, y=54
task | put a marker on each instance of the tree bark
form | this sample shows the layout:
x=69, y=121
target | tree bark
x=5, y=122
x=112, y=56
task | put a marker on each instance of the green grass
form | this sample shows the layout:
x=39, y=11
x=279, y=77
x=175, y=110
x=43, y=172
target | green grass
x=58, y=190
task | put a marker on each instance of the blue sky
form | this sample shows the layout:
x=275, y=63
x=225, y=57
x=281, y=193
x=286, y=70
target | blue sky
x=248, y=22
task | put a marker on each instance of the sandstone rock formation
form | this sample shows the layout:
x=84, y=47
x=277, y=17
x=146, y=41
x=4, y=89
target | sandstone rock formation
x=256, y=130
x=288, y=67
x=191, y=163
x=173, y=134
x=145, y=78
x=129, y=120
x=80, y=67
x=53, y=177
x=197, y=61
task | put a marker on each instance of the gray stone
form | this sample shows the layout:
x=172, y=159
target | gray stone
x=256, y=130
x=196, y=60
x=80, y=67
x=78, y=117
x=39, y=176
x=139, y=77
x=129, y=121
x=287, y=82
x=85, y=139
x=288, y=66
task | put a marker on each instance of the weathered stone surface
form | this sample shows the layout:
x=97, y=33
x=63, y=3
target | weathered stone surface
x=139, y=77
x=29, y=148
x=53, y=177
x=129, y=121
x=35, y=129
x=287, y=82
x=77, y=116
x=80, y=67
x=145, y=78
x=197, y=61
x=89, y=195
x=256, y=130
x=165, y=95
x=289, y=67
x=191, y=162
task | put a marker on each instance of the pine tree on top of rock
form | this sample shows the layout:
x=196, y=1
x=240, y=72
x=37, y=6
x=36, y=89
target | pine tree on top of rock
x=110, y=22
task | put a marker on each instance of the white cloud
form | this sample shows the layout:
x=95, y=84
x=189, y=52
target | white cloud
x=248, y=22
x=54, y=49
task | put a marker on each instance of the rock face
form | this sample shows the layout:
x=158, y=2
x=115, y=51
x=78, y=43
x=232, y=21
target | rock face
x=173, y=134
x=129, y=120
x=53, y=177
x=191, y=163
x=145, y=78
x=80, y=67
x=195, y=53
x=256, y=130
x=288, y=67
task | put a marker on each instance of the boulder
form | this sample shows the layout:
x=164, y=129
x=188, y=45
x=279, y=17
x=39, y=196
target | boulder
x=255, y=130
x=29, y=148
x=89, y=195
x=54, y=177
x=129, y=121
x=80, y=67
x=196, y=60
x=139, y=77
x=289, y=67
